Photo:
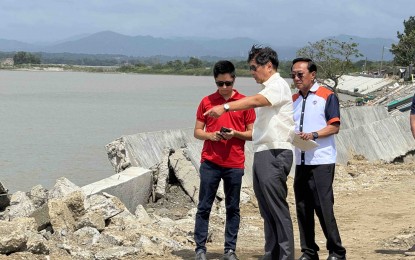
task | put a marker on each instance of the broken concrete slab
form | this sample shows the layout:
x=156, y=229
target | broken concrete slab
x=132, y=186
x=163, y=174
x=186, y=174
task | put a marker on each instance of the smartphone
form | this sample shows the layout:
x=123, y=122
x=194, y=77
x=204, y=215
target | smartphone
x=225, y=130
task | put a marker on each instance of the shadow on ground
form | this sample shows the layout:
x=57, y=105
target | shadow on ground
x=243, y=254
x=390, y=252
x=190, y=254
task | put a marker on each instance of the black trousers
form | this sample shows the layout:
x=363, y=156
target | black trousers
x=313, y=187
x=270, y=171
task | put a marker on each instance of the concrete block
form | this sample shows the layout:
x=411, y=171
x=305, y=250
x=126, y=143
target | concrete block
x=41, y=216
x=132, y=186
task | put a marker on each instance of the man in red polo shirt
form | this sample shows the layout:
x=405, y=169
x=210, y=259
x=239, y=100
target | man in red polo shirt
x=222, y=157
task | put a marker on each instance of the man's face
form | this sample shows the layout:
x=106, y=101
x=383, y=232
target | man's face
x=222, y=81
x=261, y=73
x=303, y=79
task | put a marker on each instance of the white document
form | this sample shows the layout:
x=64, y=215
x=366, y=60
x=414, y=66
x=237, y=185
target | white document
x=304, y=145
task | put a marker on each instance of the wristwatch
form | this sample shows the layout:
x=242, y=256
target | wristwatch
x=315, y=135
x=226, y=107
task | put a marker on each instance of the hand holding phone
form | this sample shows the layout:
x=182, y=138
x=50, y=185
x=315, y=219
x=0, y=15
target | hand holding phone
x=225, y=130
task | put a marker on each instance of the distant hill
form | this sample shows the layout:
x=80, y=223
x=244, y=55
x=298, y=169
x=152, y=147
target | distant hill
x=108, y=42
x=11, y=45
x=371, y=47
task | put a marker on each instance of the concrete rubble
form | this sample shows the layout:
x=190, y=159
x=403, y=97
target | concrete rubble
x=67, y=223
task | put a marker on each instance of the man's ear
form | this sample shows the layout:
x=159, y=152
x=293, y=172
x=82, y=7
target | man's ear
x=269, y=66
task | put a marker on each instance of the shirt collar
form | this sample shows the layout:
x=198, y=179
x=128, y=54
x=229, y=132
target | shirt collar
x=216, y=95
x=273, y=77
x=313, y=88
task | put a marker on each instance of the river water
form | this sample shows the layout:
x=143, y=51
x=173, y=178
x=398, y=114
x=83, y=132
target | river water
x=56, y=124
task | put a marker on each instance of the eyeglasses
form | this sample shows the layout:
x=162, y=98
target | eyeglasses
x=300, y=75
x=227, y=83
x=253, y=67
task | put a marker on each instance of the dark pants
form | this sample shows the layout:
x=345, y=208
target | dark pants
x=314, y=193
x=270, y=171
x=210, y=176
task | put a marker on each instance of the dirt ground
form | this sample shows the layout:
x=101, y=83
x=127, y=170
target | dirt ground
x=374, y=208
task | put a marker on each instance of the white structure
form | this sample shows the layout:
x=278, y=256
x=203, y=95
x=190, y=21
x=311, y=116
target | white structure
x=362, y=85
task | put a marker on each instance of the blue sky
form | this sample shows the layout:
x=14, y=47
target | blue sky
x=281, y=22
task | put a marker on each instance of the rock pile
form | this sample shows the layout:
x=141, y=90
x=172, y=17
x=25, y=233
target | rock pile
x=63, y=223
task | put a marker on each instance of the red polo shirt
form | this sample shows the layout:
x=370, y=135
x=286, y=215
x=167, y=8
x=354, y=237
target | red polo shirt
x=225, y=153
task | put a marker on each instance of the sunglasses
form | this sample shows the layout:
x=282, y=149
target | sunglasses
x=300, y=75
x=253, y=67
x=227, y=83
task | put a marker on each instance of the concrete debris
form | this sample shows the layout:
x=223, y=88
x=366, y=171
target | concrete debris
x=38, y=195
x=3, y=190
x=91, y=219
x=37, y=244
x=405, y=239
x=20, y=206
x=61, y=217
x=142, y=214
x=163, y=174
x=186, y=174
x=116, y=253
x=67, y=224
x=62, y=188
x=14, y=234
x=117, y=155
x=132, y=186
x=107, y=207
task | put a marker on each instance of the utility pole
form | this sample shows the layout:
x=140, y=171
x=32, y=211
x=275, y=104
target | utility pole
x=366, y=70
x=381, y=61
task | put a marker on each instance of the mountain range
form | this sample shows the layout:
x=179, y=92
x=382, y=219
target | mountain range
x=108, y=42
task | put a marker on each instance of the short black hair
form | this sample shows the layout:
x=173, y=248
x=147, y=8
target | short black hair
x=223, y=67
x=311, y=65
x=262, y=55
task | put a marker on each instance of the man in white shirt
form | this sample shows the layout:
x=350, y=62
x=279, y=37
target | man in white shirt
x=316, y=117
x=272, y=137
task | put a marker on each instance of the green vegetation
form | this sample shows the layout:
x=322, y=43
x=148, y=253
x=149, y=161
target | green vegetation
x=404, y=51
x=125, y=64
x=22, y=57
x=192, y=67
x=374, y=67
x=151, y=65
x=333, y=58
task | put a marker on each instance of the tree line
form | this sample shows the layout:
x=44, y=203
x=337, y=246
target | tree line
x=334, y=58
